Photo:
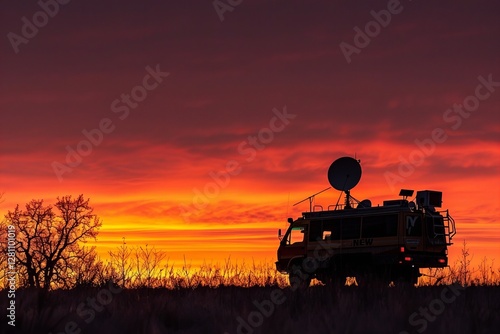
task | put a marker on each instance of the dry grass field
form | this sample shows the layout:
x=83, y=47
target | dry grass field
x=230, y=309
x=248, y=298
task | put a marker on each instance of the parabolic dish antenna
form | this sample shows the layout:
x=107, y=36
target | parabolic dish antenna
x=366, y=203
x=344, y=173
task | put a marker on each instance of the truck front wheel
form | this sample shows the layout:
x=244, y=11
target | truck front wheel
x=299, y=279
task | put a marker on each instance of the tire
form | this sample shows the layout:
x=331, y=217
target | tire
x=374, y=278
x=299, y=280
x=332, y=280
x=406, y=277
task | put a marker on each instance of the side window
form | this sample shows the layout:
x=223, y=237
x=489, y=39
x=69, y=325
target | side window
x=351, y=228
x=413, y=226
x=315, y=232
x=297, y=234
x=331, y=229
x=379, y=226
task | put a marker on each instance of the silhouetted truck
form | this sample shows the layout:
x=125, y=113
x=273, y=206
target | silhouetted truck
x=386, y=243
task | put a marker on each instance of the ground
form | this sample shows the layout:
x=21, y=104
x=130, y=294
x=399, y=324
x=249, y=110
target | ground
x=319, y=309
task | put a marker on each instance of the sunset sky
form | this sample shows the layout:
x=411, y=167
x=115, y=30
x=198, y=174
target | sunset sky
x=207, y=160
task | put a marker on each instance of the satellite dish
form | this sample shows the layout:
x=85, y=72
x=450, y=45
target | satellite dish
x=366, y=203
x=344, y=173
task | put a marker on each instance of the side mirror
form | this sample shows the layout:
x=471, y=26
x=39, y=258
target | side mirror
x=290, y=220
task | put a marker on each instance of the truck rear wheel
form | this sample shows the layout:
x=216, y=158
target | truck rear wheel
x=372, y=281
x=406, y=277
x=375, y=277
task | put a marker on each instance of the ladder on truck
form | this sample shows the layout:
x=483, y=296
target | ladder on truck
x=443, y=227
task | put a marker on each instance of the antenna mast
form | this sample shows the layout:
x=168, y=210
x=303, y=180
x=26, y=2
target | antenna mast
x=311, y=199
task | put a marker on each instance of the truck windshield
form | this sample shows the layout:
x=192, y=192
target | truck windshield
x=296, y=235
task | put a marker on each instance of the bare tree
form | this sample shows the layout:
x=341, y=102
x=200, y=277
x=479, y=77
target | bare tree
x=465, y=271
x=48, y=244
x=148, y=262
x=86, y=269
x=4, y=267
x=120, y=260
